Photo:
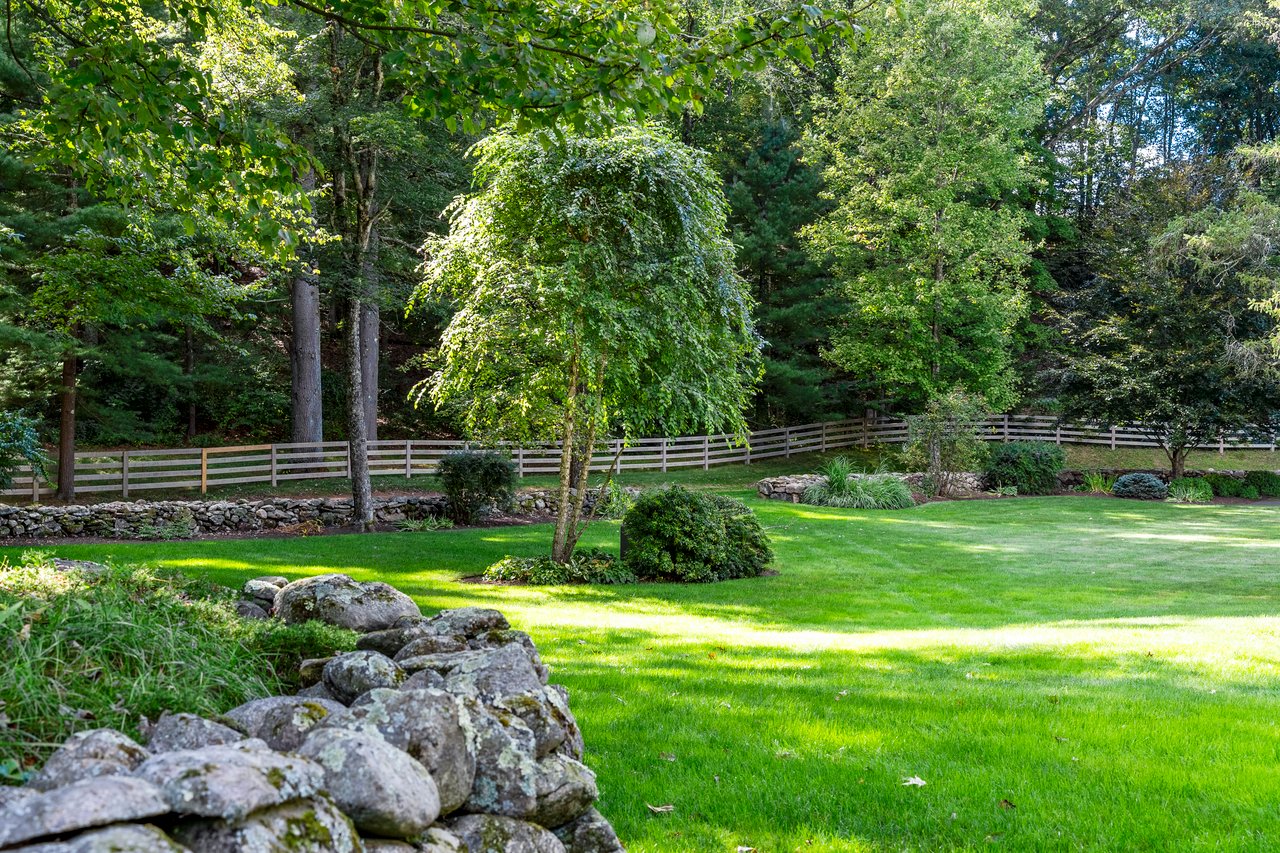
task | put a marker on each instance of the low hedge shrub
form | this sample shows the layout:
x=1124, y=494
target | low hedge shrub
x=475, y=481
x=1032, y=467
x=1266, y=482
x=679, y=535
x=1224, y=486
x=1140, y=486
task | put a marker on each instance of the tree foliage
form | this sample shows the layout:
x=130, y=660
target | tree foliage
x=1170, y=335
x=596, y=295
x=926, y=156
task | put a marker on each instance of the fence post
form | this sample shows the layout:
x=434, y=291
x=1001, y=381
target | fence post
x=124, y=473
x=520, y=461
x=204, y=470
x=786, y=437
x=706, y=453
x=408, y=458
x=866, y=429
x=824, y=436
x=1057, y=435
x=1222, y=443
x=664, y=454
x=1113, y=438
x=275, y=477
x=1006, y=428
x=35, y=487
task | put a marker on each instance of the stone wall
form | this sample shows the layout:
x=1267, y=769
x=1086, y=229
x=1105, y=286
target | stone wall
x=791, y=488
x=438, y=735
x=184, y=519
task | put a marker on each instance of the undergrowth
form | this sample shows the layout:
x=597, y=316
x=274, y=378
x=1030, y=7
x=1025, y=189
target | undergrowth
x=87, y=649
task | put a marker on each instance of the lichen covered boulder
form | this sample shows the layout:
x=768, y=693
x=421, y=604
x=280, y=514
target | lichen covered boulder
x=122, y=838
x=351, y=675
x=483, y=833
x=86, y=804
x=230, y=782
x=382, y=789
x=432, y=726
x=312, y=825
x=339, y=600
x=589, y=833
x=88, y=755
x=188, y=731
x=283, y=721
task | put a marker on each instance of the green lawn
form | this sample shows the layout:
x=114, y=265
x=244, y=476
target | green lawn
x=1064, y=673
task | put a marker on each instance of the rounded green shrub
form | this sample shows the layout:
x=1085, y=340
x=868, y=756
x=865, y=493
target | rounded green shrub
x=1224, y=485
x=680, y=535
x=1266, y=482
x=475, y=480
x=1140, y=486
x=1032, y=467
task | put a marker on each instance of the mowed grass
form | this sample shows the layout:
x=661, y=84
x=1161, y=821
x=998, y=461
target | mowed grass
x=1063, y=673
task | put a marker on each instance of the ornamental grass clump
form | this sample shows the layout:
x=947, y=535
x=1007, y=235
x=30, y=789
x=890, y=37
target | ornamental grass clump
x=92, y=648
x=1190, y=490
x=841, y=487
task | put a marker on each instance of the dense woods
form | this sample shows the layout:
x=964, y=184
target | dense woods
x=214, y=216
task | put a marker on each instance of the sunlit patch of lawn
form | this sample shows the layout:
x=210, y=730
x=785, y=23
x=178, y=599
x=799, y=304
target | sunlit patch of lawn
x=1063, y=673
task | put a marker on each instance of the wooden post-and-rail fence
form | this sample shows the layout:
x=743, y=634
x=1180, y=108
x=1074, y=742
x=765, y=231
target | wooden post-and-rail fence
x=129, y=472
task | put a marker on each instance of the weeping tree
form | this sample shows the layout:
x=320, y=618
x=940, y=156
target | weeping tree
x=595, y=296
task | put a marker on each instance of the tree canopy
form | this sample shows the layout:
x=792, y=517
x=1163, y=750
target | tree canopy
x=596, y=295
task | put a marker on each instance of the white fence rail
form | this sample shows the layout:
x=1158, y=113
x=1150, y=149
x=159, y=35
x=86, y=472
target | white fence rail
x=128, y=472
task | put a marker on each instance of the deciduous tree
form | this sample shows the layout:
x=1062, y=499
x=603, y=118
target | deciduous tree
x=596, y=295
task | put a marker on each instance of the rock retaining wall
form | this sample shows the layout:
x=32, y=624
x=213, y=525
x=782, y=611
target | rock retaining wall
x=791, y=488
x=184, y=519
x=438, y=735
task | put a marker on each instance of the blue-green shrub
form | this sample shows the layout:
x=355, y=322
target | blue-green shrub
x=1140, y=486
x=1030, y=466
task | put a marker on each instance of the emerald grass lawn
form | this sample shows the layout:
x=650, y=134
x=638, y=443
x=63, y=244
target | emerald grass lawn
x=1062, y=673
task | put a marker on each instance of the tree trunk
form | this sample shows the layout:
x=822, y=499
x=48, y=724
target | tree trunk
x=1177, y=460
x=67, y=430
x=561, y=543
x=306, y=399
x=370, y=320
x=357, y=439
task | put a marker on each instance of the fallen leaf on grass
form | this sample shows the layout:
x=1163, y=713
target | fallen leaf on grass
x=665, y=809
x=914, y=781
x=666, y=756
x=1007, y=805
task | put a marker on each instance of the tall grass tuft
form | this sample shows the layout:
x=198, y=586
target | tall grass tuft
x=839, y=488
x=87, y=650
